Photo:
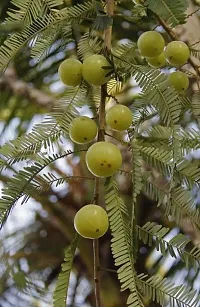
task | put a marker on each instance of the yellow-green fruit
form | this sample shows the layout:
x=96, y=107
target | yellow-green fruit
x=177, y=53
x=103, y=159
x=179, y=81
x=82, y=130
x=157, y=62
x=119, y=117
x=70, y=72
x=91, y=221
x=151, y=44
x=92, y=70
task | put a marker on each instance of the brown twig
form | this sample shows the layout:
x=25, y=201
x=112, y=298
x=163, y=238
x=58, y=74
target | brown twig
x=96, y=272
x=11, y=82
x=108, y=270
x=173, y=36
x=101, y=137
x=192, y=13
x=195, y=43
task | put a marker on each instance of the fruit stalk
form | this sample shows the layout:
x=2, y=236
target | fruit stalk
x=101, y=137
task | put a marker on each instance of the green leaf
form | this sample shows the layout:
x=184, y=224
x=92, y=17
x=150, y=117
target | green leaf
x=89, y=45
x=174, y=13
x=126, y=51
x=44, y=182
x=159, y=289
x=136, y=189
x=121, y=246
x=20, y=280
x=196, y=104
x=56, y=18
x=21, y=183
x=179, y=205
x=154, y=235
x=61, y=290
x=45, y=44
x=26, y=11
x=55, y=125
x=102, y=22
x=155, y=88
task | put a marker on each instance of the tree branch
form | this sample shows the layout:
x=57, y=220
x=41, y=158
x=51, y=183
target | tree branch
x=101, y=137
x=10, y=82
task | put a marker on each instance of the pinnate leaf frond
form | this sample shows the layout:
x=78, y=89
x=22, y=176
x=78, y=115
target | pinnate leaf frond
x=21, y=183
x=177, y=202
x=16, y=41
x=159, y=290
x=156, y=91
x=88, y=45
x=136, y=188
x=55, y=125
x=173, y=13
x=61, y=290
x=196, y=104
x=154, y=235
x=122, y=253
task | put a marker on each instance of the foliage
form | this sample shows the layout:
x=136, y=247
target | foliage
x=122, y=253
x=156, y=288
x=60, y=294
x=160, y=144
x=172, y=13
x=154, y=234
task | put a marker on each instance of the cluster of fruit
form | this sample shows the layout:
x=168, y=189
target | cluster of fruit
x=94, y=70
x=103, y=159
x=151, y=45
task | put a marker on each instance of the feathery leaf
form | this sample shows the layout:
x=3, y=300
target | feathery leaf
x=159, y=289
x=121, y=248
x=168, y=10
x=20, y=184
x=61, y=290
x=154, y=234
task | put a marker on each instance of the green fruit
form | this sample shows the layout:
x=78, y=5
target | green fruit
x=119, y=117
x=70, y=72
x=103, y=159
x=151, y=44
x=82, y=130
x=91, y=221
x=177, y=53
x=157, y=62
x=179, y=81
x=92, y=70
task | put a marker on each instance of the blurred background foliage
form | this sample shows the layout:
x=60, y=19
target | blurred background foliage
x=33, y=241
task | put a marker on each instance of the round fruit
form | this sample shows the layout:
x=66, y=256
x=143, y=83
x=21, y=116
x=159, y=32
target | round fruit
x=119, y=117
x=177, y=53
x=70, y=72
x=158, y=61
x=103, y=159
x=82, y=130
x=179, y=81
x=91, y=221
x=92, y=70
x=151, y=44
